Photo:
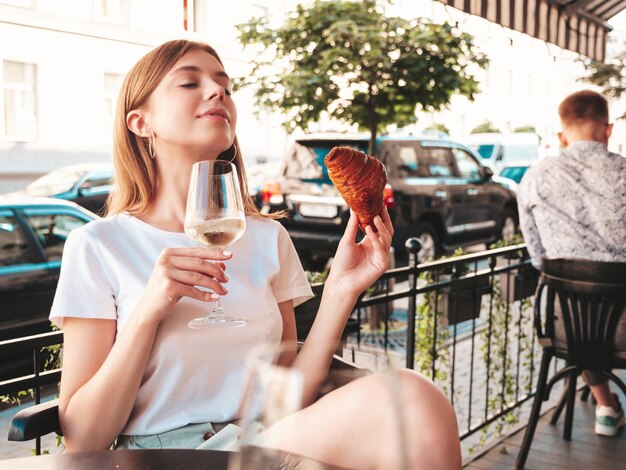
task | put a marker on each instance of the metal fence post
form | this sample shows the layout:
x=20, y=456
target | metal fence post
x=413, y=246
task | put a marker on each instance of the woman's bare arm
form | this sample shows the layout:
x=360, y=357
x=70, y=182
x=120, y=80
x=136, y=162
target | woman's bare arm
x=101, y=377
x=356, y=266
x=316, y=355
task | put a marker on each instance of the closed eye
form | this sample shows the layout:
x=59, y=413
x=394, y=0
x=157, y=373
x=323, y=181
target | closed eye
x=189, y=85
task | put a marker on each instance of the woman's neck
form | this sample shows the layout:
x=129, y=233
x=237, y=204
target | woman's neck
x=167, y=210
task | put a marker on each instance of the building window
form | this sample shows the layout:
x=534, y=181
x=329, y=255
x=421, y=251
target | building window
x=19, y=94
x=113, y=11
x=112, y=85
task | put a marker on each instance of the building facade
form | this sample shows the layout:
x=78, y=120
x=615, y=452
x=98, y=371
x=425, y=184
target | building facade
x=62, y=63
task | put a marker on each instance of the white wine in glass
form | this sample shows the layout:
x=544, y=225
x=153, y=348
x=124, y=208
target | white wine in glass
x=215, y=217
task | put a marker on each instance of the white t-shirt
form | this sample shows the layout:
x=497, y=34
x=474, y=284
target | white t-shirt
x=192, y=376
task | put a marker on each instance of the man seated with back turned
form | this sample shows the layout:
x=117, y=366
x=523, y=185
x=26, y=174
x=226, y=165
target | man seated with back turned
x=574, y=206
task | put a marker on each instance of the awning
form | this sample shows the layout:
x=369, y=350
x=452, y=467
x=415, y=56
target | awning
x=578, y=25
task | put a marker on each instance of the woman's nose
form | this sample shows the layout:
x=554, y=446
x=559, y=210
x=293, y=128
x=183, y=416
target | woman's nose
x=214, y=91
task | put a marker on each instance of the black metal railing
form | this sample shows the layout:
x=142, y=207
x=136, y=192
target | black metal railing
x=32, y=383
x=479, y=332
x=467, y=324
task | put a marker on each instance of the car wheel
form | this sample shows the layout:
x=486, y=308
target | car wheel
x=429, y=239
x=508, y=227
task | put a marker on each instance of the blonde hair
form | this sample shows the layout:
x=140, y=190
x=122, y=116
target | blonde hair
x=135, y=170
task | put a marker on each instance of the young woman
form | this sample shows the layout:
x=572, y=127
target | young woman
x=133, y=372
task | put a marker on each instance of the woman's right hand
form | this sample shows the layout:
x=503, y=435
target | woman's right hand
x=177, y=272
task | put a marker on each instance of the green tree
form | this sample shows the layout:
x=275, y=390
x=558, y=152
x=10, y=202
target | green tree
x=438, y=127
x=609, y=76
x=526, y=128
x=351, y=61
x=486, y=126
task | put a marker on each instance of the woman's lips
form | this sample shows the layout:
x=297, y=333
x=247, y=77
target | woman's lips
x=215, y=115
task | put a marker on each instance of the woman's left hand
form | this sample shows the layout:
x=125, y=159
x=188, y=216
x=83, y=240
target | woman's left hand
x=356, y=266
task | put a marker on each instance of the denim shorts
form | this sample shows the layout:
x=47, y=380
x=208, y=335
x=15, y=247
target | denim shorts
x=217, y=436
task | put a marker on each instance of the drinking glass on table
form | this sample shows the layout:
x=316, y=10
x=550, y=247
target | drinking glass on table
x=273, y=393
x=215, y=217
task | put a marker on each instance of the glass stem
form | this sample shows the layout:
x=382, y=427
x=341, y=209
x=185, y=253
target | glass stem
x=217, y=309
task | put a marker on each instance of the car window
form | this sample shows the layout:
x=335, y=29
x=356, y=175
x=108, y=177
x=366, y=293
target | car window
x=302, y=163
x=55, y=182
x=439, y=162
x=484, y=150
x=52, y=231
x=14, y=249
x=468, y=167
x=514, y=173
x=97, y=181
x=307, y=159
x=409, y=163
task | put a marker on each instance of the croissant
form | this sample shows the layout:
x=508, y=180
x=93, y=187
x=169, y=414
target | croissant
x=360, y=179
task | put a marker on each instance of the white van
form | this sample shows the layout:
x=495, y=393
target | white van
x=496, y=150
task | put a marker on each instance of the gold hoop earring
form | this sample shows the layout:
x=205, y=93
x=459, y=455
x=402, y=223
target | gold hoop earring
x=152, y=145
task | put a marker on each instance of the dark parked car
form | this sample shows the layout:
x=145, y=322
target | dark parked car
x=438, y=191
x=32, y=235
x=87, y=185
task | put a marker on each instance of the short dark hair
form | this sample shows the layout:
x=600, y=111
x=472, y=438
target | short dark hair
x=584, y=106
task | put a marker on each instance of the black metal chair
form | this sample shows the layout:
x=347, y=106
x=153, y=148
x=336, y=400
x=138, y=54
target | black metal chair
x=592, y=298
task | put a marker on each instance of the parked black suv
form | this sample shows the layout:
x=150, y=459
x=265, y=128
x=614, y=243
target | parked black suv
x=438, y=191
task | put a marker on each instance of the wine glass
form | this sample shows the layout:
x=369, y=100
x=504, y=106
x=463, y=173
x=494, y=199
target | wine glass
x=273, y=393
x=215, y=217
x=273, y=397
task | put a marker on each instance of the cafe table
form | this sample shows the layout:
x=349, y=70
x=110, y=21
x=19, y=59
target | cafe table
x=148, y=459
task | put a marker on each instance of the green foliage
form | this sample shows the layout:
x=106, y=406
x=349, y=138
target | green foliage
x=438, y=127
x=526, y=128
x=504, y=322
x=17, y=398
x=349, y=60
x=315, y=276
x=431, y=335
x=496, y=349
x=516, y=239
x=486, y=126
x=609, y=76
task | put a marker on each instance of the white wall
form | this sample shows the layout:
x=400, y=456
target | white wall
x=72, y=48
